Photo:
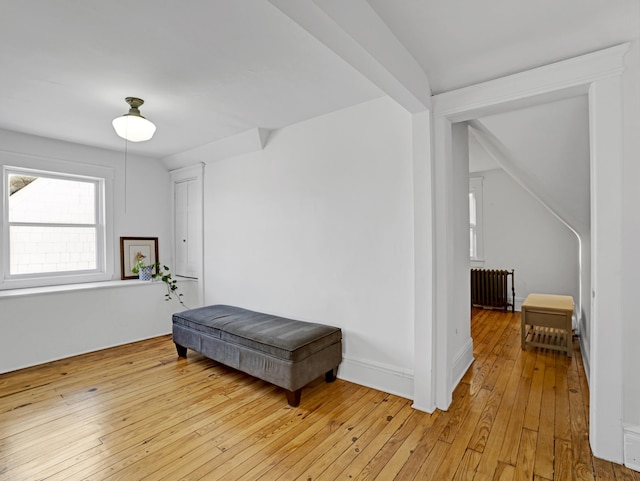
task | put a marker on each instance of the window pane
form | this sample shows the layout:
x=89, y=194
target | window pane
x=472, y=243
x=42, y=199
x=472, y=208
x=34, y=250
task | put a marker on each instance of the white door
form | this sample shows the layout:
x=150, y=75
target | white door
x=187, y=228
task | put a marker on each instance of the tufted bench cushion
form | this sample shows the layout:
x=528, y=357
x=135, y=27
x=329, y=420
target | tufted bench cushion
x=284, y=352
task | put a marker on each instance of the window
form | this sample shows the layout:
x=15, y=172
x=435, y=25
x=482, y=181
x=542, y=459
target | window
x=476, y=250
x=54, y=228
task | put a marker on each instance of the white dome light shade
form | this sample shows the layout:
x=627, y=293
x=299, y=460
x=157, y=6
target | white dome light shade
x=133, y=126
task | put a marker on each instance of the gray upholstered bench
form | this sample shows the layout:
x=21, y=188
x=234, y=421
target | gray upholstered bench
x=284, y=352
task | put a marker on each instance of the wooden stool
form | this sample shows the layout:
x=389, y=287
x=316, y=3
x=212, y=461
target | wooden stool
x=546, y=322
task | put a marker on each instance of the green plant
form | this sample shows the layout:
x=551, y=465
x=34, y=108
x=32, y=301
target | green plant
x=163, y=273
x=140, y=263
x=137, y=266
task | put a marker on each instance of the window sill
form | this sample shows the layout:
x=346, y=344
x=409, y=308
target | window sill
x=34, y=291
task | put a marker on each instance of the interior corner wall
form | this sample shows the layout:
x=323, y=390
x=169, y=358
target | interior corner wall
x=318, y=227
x=460, y=347
x=39, y=328
x=521, y=234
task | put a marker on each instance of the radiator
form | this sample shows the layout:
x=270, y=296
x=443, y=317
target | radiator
x=489, y=288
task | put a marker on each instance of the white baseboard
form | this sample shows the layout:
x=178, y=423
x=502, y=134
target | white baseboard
x=518, y=306
x=584, y=352
x=632, y=447
x=462, y=361
x=395, y=380
x=391, y=379
x=518, y=303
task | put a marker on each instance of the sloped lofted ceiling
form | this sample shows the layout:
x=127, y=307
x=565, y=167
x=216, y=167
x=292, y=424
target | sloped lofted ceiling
x=211, y=69
x=546, y=149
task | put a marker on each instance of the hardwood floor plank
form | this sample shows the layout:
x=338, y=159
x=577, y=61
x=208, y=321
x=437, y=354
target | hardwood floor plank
x=563, y=461
x=137, y=438
x=55, y=408
x=401, y=455
x=582, y=458
x=325, y=413
x=494, y=441
x=478, y=372
x=243, y=451
x=28, y=379
x=532, y=412
x=416, y=466
x=324, y=466
x=140, y=412
x=504, y=472
x=497, y=368
x=459, y=446
x=398, y=409
x=485, y=424
x=625, y=474
x=526, y=455
x=336, y=429
x=457, y=413
x=562, y=425
x=61, y=417
x=383, y=457
x=101, y=420
x=338, y=440
x=369, y=451
x=543, y=467
x=495, y=337
x=511, y=443
x=161, y=451
x=511, y=347
x=429, y=464
x=603, y=470
x=468, y=466
x=481, y=330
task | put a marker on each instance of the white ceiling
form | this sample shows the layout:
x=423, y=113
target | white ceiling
x=210, y=69
x=462, y=42
x=206, y=70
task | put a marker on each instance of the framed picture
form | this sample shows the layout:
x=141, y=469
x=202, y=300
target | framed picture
x=134, y=248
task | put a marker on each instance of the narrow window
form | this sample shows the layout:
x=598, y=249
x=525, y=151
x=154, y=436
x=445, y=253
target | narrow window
x=476, y=250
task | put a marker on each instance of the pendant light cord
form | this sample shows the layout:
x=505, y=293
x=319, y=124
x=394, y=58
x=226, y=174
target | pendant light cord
x=126, y=145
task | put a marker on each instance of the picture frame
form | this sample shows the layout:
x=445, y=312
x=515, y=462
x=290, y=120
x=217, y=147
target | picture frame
x=130, y=248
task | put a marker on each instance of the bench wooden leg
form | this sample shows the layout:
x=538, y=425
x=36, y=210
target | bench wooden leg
x=293, y=397
x=182, y=351
x=330, y=376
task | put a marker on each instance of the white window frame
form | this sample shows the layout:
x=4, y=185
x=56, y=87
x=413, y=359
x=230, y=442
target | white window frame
x=475, y=189
x=103, y=178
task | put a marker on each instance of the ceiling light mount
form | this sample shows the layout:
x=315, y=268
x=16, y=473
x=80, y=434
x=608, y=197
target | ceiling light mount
x=134, y=103
x=133, y=126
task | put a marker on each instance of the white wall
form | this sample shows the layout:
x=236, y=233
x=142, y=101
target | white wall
x=318, y=227
x=630, y=238
x=521, y=234
x=46, y=327
x=459, y=327
x=43, y=327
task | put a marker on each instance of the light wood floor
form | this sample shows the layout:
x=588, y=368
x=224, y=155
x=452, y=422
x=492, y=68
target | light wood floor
x=138, y=412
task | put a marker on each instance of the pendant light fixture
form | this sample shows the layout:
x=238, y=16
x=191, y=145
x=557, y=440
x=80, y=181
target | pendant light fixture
x=133, y=126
